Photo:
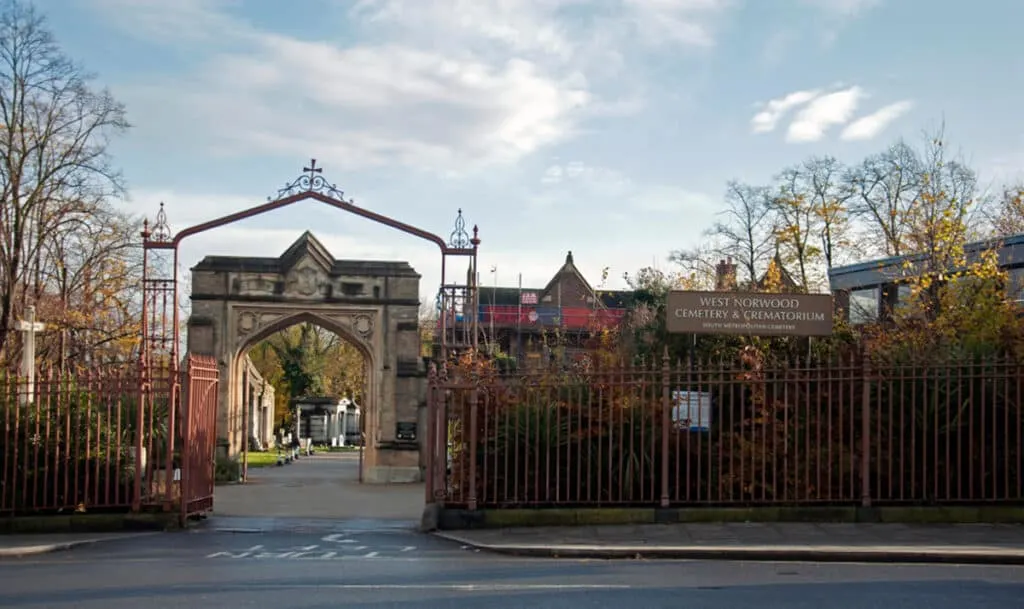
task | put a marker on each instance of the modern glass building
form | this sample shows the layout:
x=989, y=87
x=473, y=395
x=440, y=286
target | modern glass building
x=870, y=291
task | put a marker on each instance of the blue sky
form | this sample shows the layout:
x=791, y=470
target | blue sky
x=605, y=127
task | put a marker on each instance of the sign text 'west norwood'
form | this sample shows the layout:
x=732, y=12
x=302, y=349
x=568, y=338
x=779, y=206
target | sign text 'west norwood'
x=753, y=314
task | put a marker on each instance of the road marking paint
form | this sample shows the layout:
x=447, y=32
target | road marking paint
x=338, y=538
x=242, y=554
x=294, y=553
x=310, y=552
x=458, y=587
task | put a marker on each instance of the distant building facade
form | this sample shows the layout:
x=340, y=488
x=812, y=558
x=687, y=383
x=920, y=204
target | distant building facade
x=869, y=292
x=522, y=321
x=257, y=396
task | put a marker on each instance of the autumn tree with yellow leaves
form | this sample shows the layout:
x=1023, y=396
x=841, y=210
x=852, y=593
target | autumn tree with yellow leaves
x=922, y=202
x=306, y=360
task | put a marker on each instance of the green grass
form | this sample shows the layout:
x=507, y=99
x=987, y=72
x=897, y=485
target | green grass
x=262, y=459
x=269, y=458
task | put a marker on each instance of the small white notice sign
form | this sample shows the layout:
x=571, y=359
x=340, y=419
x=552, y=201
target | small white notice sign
x=691, y=410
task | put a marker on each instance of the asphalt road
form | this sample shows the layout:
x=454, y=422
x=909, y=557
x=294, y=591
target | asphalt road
x=306, y=564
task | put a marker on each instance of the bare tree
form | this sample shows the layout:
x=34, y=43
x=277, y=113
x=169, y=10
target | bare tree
x=90, y=272
x=698, y=266
x=747, y=231
x=939, y=222
x=884, y=189
x=54, y=166
x=829, y=196
x=798, y=224
x=1008, y=218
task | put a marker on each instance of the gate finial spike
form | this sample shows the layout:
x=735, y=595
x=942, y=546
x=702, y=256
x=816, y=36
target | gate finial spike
x=161, y=229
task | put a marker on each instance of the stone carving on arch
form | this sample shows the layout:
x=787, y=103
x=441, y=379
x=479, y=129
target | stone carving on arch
x=355, y=326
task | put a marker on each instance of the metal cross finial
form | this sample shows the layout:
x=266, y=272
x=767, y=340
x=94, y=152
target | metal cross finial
x=312, y=170
x=311, y=180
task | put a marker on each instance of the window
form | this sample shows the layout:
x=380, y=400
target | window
x=864, y=306
x=1015, y=288
x=904, y=294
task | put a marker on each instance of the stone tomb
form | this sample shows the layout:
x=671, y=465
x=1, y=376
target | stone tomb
x=239, y=301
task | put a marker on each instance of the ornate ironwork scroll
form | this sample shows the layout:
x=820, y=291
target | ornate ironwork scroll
x=161, y=230
x=459, y=237
x=311, y=180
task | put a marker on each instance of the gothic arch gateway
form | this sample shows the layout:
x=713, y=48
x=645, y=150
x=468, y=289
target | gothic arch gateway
x=238, y=301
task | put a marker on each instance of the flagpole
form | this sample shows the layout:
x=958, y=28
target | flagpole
x=519, y=321
x=494, y=292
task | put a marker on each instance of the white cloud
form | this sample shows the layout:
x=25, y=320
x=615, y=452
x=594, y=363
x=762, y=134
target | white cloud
x=184, y=211
x=365, y=105
x=446, y=85
x=843, y=8
x=575, y=181
x=540, y=26
x=822, y=113
x=836, y=14
x=869, y=126
x=597, y=180
x=772, y=112
x=368, y=106
x=553, y=175
x=689, y=22
x=525, y=26
x=819, y=112
x=180, y=21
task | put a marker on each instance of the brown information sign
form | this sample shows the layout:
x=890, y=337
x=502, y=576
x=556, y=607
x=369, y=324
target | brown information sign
x=749, y=313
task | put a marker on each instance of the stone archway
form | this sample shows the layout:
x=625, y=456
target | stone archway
x=253, y=324
x=238, y=301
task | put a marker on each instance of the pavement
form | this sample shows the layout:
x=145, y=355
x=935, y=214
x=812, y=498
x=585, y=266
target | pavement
x=329, y=548
x=967, y=543
x=17, y=546
x=325, y=485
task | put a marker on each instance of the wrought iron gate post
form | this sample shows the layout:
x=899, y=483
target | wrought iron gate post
x=666, y=407
x=865, y=431
x=474, y=403
x=186, y=462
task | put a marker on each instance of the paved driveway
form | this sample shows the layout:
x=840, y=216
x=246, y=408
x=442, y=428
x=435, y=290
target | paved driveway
x=323, y=486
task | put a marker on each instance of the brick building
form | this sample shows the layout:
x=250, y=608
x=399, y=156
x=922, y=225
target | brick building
x=525, y=321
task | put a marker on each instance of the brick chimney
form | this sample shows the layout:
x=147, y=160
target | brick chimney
x=725, y=275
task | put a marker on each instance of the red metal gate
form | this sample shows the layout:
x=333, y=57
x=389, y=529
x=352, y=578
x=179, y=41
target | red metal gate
x=199, y=435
